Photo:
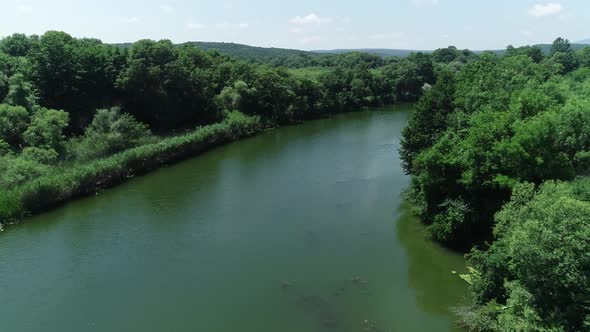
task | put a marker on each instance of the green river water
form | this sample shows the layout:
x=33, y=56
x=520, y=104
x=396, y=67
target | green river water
x=299, y=229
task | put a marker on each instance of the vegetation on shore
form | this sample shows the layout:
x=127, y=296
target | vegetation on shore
x=59, y=183
x=77, y=115
x=499, y=153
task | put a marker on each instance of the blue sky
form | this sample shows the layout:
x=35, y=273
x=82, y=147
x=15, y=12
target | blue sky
x=308, y=24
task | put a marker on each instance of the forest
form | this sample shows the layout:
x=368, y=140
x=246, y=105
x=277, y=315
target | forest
x=78, y=115
x=499, y=153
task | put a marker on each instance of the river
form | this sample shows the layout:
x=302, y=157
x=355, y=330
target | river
x=299, y=229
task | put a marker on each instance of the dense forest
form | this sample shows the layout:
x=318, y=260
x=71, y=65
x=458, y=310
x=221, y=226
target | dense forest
x=499, y=153
x=78, y=115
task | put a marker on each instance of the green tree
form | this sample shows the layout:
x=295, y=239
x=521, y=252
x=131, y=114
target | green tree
x=543, y=238
x=561, y=45
x=429, y=119
x=13, y=123
x=21, y=93
x=17, y=45
x=47, y=130
x=535, y=53
x=54, y=69
x=584, y=56
x=110, y=132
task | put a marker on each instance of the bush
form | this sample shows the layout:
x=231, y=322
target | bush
x=13, y=123
x=47, y=129
x=4, y=148
x=110, y=132
x=15, y=171
x=40, y=155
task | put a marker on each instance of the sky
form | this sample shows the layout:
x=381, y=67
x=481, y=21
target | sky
x=308, y=24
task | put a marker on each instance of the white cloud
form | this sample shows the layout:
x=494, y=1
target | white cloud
x=195, y=26
x=131, y=20
x=25, y=9
x=243, y=25
x=311, y=19
x=545, y=9
x=296, y=30
x=166, y=8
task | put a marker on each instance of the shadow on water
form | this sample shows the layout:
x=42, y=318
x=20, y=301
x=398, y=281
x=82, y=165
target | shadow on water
x=331, y=312
x=430, y=266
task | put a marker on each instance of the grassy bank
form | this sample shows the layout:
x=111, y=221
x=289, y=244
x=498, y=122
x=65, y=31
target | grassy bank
x=66, y=182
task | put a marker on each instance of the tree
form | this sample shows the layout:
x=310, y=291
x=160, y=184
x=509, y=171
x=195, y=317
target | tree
x=54, y=69
x=17, y=45
x=561, y=45
x=110, y=132
x=21, y=93
x=47, y=130
x=429, y=119
x=446, y=55
x=13, y=123
x=549, y=227
x=566, y=61
x=584, y=56
x=535, y=53
x=168, y=87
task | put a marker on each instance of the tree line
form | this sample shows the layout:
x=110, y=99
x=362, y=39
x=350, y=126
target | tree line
x=66, y=102
x=499, y=153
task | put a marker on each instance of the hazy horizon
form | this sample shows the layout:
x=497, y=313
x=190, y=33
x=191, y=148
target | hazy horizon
x=308, y=25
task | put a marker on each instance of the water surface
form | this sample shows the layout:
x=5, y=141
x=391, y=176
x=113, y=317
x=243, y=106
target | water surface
x=298, y=229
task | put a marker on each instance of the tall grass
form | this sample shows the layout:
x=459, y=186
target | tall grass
x=67, y=182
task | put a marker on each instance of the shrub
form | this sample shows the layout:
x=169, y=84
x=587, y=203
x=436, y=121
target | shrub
x=110, y=132
x=13, y=122
x=47, y=129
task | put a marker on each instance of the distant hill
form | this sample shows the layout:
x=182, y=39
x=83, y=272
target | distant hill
x=253, y=53
x=267, y=54
x=383, y=52
x=386, y=52
x=244, y=52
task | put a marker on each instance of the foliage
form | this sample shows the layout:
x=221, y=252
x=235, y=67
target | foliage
x=110, y=132
x=27, y=186
x=47, y=129
x=538, y=268
x=68, y=101
x=499, y=154
x=14, y=120
x=20, y=93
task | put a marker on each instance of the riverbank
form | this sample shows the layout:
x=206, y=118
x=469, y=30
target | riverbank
x=81, y=179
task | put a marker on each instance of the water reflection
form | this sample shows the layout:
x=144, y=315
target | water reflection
x=430, y=266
